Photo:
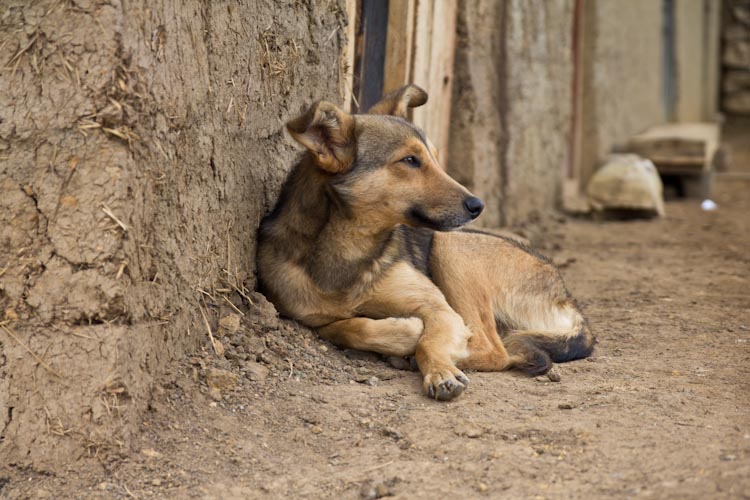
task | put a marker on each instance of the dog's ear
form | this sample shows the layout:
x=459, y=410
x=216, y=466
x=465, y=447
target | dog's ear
x=328, y=133
x=398, y=102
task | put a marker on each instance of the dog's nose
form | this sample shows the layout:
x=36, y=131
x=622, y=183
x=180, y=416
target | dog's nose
x=474, y=205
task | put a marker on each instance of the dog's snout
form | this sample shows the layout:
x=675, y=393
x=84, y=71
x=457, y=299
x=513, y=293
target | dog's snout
x=474, y=206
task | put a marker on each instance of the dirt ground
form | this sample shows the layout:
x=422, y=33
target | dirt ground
x=662, y=409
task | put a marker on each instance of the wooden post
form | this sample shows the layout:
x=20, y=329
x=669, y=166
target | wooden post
x=572, y=198
x=432, y=69
x=399, y=43
x=712, y=31
x=406, y=41
x=347, y=55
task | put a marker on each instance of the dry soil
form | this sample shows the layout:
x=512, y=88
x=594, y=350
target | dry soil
x=662, y=409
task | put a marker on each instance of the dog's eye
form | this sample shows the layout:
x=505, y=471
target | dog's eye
x=412, y=161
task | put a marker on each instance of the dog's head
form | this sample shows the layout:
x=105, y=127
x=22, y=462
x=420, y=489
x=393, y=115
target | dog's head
x=382, y=167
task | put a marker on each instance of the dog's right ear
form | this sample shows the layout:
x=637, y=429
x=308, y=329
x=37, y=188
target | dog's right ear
x=328, y=133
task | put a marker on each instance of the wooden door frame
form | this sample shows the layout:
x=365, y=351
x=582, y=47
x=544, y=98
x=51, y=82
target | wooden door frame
x=404, y=41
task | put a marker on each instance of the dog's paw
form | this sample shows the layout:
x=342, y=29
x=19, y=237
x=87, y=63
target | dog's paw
x=446, y=384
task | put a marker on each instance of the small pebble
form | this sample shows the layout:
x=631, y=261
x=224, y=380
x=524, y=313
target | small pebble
x=381, y=490
x=256, y=371
x=399, y=363
x=229, y=323
x=471, y=431
x=368, y=492
x=372, y=491
x=565, y=406
x=151, y=453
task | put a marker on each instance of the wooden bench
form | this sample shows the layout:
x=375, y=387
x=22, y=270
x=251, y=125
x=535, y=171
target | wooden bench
x=684, y=151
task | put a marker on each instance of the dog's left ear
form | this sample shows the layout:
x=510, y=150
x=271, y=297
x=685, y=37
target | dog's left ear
x=398, y=102
x=328, y=133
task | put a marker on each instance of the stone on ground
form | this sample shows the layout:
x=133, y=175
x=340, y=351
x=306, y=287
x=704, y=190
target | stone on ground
x=627, y=182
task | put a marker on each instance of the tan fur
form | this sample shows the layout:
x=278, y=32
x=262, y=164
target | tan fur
x=338, y=254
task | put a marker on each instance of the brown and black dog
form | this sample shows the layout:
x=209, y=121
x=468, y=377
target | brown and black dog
x=360, y=247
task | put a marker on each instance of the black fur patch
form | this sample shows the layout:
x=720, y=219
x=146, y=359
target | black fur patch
x=416, y=246
x=536, y=361
x=559, y=349
x=578, y=347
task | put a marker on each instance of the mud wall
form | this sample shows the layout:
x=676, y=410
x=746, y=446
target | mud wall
x=690, y=59
x=622, y=75
x=697, y=26
x=140, y=144
x=512, y=105
x=735, y=57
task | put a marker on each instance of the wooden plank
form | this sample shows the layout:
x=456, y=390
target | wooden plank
x=422, y=43
x=690, y=60
x=678, y=144
x=704, y=131
x=712, y=31
x=666, y=147
x=686, y=161
x=441, y=70
x=573, y=173
x=371, y=39
x=399, y=43
x=434, y=49
x=346, y=64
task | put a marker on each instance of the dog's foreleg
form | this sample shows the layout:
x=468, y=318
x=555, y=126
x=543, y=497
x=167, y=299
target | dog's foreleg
x=389, y=336
x=406, y=292
x=443, y=344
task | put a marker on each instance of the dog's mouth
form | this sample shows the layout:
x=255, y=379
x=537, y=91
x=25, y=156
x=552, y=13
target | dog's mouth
x=418, y=217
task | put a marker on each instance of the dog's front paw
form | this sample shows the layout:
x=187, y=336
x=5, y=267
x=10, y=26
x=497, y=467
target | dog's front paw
x=445, y=384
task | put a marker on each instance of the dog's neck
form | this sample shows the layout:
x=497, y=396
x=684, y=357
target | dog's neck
x=350, y=241
x=348, y=246
x=339, y=245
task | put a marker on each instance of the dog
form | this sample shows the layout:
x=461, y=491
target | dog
x=364, y=245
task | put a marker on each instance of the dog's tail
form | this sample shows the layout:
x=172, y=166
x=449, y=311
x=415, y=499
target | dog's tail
x=534, y=351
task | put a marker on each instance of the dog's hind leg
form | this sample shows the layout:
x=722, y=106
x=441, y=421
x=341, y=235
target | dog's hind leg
x=489, y=279
x=484, y=350
x=389, y=336
x=470, y=291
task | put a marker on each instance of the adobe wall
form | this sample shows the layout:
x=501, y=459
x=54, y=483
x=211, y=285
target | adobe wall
x=140, y=145
x=690, y=37
x=735, y=57
x=622, y=75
